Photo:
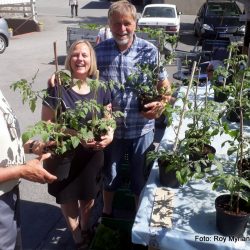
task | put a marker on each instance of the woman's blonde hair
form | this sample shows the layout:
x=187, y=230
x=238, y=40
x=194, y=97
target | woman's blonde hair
x=93, y=66
x=122, y=7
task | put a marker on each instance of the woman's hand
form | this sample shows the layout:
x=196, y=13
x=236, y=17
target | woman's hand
x=40, y=147
x=106, y=139
x=100, y=145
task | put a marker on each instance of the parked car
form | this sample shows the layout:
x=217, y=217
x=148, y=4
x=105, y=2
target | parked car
x=219, y=19
x=160, y=16
x=4, y=35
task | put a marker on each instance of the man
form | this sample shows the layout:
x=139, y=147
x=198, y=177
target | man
x=13, y=167
x=117, y=58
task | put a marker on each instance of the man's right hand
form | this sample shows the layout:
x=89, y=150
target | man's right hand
x=34, y=171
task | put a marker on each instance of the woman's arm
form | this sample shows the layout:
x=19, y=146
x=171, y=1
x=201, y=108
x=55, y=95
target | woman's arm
x=48, y=114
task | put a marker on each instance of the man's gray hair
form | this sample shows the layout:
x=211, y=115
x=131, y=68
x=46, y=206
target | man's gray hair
x=122, y=7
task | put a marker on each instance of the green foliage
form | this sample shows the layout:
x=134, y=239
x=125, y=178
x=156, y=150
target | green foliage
x=175, y=161
x=106, y=239
x=90, y=26
x=144, y=80
x=28, y=94
x=52, y=131
x=71, y=127
x=234, y=74
x=160, y=35
x=231, y=176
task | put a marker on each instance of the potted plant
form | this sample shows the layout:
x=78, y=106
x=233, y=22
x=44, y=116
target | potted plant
x=146, y=91
x=222, y=76
x=233, y=208
x=221, y=90
x=203, y=126
x=174, y=168
x=229, y=87
x=68, y=130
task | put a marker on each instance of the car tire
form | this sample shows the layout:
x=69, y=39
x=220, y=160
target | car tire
x=3, y=44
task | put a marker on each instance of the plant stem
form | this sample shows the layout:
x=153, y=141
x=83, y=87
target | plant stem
x=195, y=100
x=184, y=107
x=58, y=109
x=227, y=66
x=94, y=115
x=241, y=127
x=239, y=158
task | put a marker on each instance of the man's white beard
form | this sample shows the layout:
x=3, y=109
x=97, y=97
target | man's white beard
x=122, y=42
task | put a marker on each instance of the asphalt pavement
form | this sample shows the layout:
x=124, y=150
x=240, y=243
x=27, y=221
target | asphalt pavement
x=43, y=226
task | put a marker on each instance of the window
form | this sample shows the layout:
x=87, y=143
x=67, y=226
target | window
x=159, y=12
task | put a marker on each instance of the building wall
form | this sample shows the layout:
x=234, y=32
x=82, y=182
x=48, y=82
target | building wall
x=14, y=1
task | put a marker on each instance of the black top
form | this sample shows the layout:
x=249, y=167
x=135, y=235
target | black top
x=70, y=97
x=81, y=179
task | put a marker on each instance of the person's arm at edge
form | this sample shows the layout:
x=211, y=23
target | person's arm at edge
x=32, y=170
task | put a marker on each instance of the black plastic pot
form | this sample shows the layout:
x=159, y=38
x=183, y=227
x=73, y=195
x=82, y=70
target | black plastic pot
x=220, y=95
x=228, y=222
x=196, y=156
x=167, y=178
x=233, y=115
x=59, y=165
x=208, y=149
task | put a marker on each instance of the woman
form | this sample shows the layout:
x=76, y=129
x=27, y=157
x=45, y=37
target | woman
x=77, y=192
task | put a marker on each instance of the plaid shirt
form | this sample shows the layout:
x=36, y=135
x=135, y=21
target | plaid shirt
x=117, y=66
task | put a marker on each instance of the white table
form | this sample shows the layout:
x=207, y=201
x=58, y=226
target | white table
x=194, y=219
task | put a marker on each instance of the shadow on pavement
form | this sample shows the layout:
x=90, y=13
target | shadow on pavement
x=43, y=227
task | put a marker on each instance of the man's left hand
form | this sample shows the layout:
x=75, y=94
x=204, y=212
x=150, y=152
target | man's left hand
x=154, y=110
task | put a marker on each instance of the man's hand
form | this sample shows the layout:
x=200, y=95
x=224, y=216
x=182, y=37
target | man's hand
x=34, y=171
x=154, y=110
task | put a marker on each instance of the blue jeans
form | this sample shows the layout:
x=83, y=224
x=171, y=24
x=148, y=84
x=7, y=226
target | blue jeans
x=114, y=153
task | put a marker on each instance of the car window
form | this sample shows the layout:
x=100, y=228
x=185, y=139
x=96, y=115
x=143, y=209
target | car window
x=159, y=12
x=223, y=9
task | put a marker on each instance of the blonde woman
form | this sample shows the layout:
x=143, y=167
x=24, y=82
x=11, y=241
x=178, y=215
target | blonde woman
x=76, y=193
